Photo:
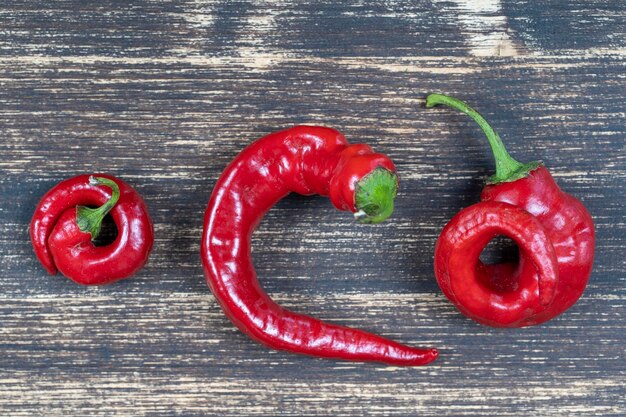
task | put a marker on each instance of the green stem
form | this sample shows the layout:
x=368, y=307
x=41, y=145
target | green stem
x=89, y=220
x=507, y=168
x=374, y=196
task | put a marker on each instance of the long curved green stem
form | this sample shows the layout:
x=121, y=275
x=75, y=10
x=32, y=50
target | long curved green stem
x=507, y=168
x=89, y=219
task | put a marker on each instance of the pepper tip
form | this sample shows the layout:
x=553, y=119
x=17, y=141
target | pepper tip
x=433, y=354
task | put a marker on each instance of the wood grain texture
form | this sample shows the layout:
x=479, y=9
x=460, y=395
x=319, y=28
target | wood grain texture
x=164, y=95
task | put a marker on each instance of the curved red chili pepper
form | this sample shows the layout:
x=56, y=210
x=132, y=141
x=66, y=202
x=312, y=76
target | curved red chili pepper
x=552, y=229
x=306, y=160
x=63, y=227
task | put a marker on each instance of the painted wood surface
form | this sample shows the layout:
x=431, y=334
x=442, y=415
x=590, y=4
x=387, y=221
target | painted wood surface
x=164, y=95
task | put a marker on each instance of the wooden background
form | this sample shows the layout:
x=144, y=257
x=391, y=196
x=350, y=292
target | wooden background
x=165, y=93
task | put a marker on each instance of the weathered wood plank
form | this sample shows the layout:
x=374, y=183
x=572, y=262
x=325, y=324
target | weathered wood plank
x=321, y=28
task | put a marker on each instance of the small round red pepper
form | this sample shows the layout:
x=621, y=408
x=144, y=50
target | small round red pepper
x=63, y=229
x=553, y=230
x=307, y=160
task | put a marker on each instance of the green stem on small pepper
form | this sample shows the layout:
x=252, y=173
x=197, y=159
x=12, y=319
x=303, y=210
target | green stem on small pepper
x=374, y=196
x=507, y=168
x=89, y=220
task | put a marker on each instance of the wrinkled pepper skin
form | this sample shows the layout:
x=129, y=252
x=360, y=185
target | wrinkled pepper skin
x=555, y=235
x=553, y=231
x=306, y=160
x=60, y=245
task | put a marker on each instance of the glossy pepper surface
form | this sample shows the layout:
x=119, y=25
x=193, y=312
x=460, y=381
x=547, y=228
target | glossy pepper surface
x=553, y=231
x=64, y=226
x=306, y=160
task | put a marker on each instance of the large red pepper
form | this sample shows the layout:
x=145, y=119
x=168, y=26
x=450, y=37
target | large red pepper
x=553, y=230
x=306, y=160
x=63, y=228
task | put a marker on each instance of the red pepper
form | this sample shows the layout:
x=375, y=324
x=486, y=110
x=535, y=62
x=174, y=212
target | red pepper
x=553, y=230
x=307, y=160
x=63, y=228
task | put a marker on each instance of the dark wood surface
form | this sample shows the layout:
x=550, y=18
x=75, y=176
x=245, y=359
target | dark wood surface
x=164, y=95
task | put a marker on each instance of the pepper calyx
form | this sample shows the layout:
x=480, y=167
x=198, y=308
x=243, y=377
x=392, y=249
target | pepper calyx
x=519, y=172
x=89, y=220
x=374, y=196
